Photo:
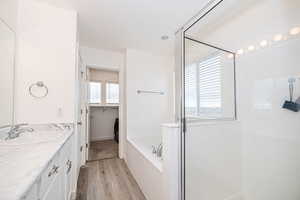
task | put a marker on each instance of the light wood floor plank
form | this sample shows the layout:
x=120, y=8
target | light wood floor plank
x=82, y=184
x=103, y=150
x=130, y=181
x=107, y=179
x=94, y=191
x=121, y=188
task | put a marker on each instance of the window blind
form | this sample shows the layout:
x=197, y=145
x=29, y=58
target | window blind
x=112, y=93
x=191, y=103
x=94, y=92
x=209, y=75
x=203, y=87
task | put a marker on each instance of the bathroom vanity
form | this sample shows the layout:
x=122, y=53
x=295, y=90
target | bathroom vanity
x=38, y=164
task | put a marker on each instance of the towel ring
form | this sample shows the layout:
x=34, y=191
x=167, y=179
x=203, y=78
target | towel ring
x=39, y=84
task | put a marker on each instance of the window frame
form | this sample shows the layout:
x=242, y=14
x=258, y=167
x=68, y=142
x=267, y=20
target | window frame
x=101, y=92
x=197, y=66
x=105, y=91
x=103, y=97
x=195, y=119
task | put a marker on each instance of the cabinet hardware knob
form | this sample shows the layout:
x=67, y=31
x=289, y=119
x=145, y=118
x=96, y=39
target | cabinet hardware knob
x=69, y=163
x=54, y=170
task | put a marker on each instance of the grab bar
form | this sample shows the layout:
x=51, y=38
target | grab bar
x=150, y=92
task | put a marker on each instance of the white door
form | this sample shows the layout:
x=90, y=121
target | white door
x=82, y=111
x=87, y=112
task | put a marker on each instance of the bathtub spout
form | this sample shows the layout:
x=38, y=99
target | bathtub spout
x=154, y=149
x=159, y=150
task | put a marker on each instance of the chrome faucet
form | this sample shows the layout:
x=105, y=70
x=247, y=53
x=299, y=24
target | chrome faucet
x=154, y=149
x=16, y=130
x=66, y=126
x=157, y=150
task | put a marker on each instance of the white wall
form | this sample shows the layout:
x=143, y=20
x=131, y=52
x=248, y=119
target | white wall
x=99, y=58
x=146, y=112
x=9, y=12
x=271, y=140
x=46, y=52
x=171, y=161
x=103, y=75
x=102, y=123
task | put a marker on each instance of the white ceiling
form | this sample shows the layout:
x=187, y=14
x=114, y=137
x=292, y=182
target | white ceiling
x=138, y=24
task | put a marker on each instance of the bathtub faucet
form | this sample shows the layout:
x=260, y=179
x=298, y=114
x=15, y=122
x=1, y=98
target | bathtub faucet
x=157, y=150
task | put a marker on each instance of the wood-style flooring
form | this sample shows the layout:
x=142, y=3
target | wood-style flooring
x=103, y=150
x=107, y=179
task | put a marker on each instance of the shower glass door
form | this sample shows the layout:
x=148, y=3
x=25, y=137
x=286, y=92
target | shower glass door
x=238, y=141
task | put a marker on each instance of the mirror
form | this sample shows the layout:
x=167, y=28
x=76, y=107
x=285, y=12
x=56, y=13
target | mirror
x=7, y=57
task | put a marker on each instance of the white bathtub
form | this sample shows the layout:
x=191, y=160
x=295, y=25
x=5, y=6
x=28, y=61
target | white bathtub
x=145, y=167
x=158, y=178
x=144, y=146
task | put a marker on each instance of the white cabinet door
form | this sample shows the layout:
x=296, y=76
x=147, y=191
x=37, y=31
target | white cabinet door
x=70, y=166
x=59, y=183
x=54, y=191
x=66, y=162
x=66, y=178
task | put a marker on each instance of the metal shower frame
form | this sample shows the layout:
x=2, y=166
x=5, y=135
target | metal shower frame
x=208, y=8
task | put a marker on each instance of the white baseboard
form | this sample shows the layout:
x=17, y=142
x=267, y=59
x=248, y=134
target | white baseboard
x=237, y=196
x=102, y=138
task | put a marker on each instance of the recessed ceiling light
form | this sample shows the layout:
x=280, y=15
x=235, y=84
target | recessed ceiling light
x=240, y=52
x=264, y=43
x=164, y=37
x=295, y=31
x=278, y=37
x=230, y=56
x=251, y=48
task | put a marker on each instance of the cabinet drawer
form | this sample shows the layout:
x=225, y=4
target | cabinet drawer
x=49, y=174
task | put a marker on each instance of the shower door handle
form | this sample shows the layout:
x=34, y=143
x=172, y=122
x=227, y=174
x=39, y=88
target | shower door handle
x=79, y=123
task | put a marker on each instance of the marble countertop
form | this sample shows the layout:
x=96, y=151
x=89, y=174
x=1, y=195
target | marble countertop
x=23, y=159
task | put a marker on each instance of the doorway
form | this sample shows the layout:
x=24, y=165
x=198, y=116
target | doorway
x=103, y=118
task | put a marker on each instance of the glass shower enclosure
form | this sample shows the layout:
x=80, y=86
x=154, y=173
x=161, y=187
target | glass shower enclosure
x=236, y=60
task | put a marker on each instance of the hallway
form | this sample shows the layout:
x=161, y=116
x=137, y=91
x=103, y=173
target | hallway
x=107, y=179
x=103, y=150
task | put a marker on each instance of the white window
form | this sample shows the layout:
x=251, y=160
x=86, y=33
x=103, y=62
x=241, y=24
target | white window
x=112, y=93
x=203, y=88
x=95, y=92
x=191, y=100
